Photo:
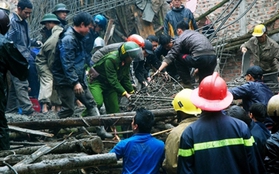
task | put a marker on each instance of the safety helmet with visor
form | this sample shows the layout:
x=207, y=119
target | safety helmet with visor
x=132, y=50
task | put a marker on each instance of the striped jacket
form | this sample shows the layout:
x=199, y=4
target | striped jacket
x=218, y=143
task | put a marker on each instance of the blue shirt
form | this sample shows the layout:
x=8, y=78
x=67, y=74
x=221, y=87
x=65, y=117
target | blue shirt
x=141, y=153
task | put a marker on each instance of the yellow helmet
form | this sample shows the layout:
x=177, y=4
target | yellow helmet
x=182, y=102
x=273, y=106
x=259, y=30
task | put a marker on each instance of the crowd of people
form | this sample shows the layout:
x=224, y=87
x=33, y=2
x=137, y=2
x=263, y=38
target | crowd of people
x=75, y=68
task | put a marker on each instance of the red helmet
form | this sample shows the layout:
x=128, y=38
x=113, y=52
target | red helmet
x=212, y=94
x=136, y=38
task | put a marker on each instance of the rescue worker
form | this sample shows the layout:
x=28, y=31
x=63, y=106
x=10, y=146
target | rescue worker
x=142, y=153
x=178, y=13
x=44, y=62
x=99, y=54
x=265, y=53
x=114, y=76
x=69, y=68
x=254, y=90
x=10, y=60
x=272, y=144
x=216, y=142
x=187, y=113
x=197, y=53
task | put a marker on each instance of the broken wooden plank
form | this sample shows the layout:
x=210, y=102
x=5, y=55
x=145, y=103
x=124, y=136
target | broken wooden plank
x=29, y=131
x=109, y=31
x=55, y=166
x=38, y=153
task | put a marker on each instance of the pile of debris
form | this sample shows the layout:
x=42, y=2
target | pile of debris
x=46, y=144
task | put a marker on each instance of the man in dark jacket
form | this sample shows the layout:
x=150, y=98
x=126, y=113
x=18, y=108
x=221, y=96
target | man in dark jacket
x=178, y=13
x=257, y=132
x=197, y=52
x=10, y=60
x=18, y=33
x=217, y=143
x=254, y=91
x=141, y=73
x=68, y=68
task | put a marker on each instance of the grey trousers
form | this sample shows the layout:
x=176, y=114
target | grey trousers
x=68, y=98
x=18, y=96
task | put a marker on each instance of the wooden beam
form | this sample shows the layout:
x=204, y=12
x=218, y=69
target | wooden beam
x=29, y=131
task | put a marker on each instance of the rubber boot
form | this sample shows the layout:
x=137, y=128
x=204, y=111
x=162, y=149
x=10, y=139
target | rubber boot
x=93, y=112
x=102, y=133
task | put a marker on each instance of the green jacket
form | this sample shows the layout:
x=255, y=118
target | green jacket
x=113, y=73
x=47, y=52
x=265, y=55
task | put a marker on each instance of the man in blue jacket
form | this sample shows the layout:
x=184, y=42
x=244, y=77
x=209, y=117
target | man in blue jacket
x=178, y=13
x=254, y=91
x=141, y=153
x=216, y=142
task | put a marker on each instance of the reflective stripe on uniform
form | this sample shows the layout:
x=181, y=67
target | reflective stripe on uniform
x=216, y=144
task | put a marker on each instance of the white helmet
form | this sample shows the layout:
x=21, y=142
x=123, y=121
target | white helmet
x=99, y=43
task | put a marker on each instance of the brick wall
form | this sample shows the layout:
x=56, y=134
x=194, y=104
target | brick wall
x=260, y=12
